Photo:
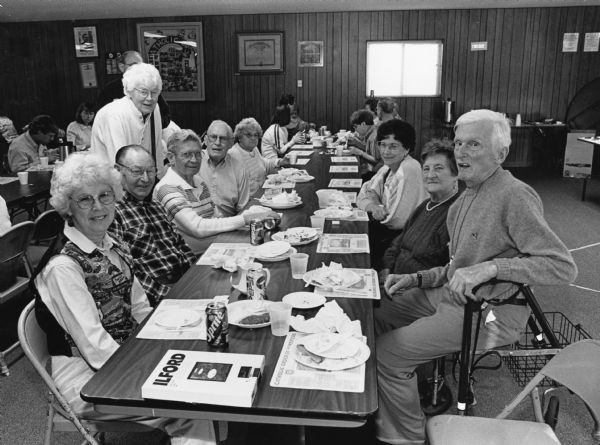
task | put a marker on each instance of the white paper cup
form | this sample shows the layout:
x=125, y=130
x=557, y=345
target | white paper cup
x=293, y=157
x=317, y=222
x=280, y=313
x=299, y=263
x=44, y=161
x=23, y=177
x=339, y=151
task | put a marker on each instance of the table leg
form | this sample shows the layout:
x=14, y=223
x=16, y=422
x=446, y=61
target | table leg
x=583, y=190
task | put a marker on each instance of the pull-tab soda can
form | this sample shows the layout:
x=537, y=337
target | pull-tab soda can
x=217, y=325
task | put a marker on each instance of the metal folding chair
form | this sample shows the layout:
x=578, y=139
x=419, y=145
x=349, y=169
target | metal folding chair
x=13, y=248
x=61, y=416
x=575, y=367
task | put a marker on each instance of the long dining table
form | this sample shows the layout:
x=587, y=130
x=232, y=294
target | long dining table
x=116, y=387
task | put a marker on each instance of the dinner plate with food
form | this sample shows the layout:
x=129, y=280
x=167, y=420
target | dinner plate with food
x=296, y=175
x=281, y=201
x=297, y=236
x=334, y=212
x=249, y=314
x=273, y=251
x=348, y=352
x=331, y=277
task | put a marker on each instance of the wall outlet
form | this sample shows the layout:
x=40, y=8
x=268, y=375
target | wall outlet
x=299, y=84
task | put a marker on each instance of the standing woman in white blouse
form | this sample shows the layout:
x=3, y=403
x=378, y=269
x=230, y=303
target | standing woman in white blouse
x=275, y=140
x=80, y=130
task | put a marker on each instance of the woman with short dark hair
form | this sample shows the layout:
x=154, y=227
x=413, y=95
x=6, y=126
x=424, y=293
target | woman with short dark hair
x=275, y=140
x=396, y=189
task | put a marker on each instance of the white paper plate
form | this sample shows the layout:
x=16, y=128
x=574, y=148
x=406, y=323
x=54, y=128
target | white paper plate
x=297, y=236
x=238, y=310
x=304, y=300
x=272, y=249
x=302, y=178
x=331, y=345
x=177, y=318
x=333, y=213
x=361, y=356
x=351, y=279
x=274, y=259
x=279, y=206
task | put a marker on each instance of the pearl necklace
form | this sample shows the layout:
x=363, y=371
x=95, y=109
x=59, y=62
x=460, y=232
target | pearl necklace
x=429, y=209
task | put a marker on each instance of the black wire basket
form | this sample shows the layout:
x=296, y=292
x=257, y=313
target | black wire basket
x=524, y=368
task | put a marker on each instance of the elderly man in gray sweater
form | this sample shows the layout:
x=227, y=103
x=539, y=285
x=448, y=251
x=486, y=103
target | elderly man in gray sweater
x=497, y=230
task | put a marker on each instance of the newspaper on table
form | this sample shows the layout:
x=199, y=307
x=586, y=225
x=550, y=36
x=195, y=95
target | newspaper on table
x=301, y=161
x=346, y=183
x=8, y=179
x=289, y=373
x=303, y=152
x=155, y=330
x=343, y=169
x=343, y=243
x=344, y=159
x=301, y=146
x=217, y=252
x=357, y=215
x=367, y=287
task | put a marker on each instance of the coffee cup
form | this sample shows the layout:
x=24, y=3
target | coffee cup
x=23, y=177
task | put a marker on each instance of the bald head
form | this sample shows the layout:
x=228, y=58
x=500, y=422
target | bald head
x=138, y=170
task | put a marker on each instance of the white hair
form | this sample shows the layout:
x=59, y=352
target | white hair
x=500, y=124
x=139, y=73
x=179, y=137
x=219, y=122
x=248, y=123
x=82, y=169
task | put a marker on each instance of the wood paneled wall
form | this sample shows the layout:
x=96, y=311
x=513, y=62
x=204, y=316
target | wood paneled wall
x=523, y=70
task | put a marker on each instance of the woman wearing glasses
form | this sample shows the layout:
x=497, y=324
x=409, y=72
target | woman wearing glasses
x=187, y=199
x=247, y=134
x=89, y=300
x=275, y=140
x=396, y=190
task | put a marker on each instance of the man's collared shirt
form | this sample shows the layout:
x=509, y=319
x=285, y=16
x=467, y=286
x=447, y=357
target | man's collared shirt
x=156, y=246
x=23, y=153
x=228, y=184
x=120, y=123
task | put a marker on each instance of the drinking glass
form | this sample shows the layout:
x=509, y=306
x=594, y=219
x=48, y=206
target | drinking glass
x=299, y=263
x=280, y=313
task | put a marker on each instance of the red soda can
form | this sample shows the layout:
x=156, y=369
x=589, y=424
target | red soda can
x=217, y=325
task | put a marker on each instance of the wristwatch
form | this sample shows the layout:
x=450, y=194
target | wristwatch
x=419, y=279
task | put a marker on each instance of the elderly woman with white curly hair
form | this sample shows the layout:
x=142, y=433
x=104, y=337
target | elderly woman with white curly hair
x=132, y=119
x=89, y=301
x=247, y=134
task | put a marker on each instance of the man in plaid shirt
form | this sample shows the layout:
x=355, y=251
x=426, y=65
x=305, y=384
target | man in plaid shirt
x=160, y=254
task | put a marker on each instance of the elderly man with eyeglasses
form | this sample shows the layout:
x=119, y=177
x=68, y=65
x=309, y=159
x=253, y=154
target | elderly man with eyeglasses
x=224, y=175
x=497, y=231
x=133, y=119
x=160, y=254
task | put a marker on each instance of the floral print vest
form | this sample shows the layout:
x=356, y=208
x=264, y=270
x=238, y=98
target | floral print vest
x=110, y=288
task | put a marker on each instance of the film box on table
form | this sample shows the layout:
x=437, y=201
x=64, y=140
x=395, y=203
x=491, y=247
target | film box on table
x=215, y=378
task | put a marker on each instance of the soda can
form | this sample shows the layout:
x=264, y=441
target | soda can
x=256, y=282
x=217, y=325
x=257, y=232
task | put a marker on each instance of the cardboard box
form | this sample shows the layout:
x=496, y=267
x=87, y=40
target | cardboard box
x=215, y=378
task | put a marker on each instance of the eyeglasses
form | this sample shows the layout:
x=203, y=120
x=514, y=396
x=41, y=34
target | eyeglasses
x=137, y=172
x=87, y=201
x=391, y=147
x=251, y=135
x=145, y=92
x=215, y=138
x=188, y=155
x=470, y=145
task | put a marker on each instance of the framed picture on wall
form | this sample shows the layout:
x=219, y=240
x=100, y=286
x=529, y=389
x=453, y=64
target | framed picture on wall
x=260, y=52
x=87, y=70
x=177, y=51
x=86, y=43
x=310, y=53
